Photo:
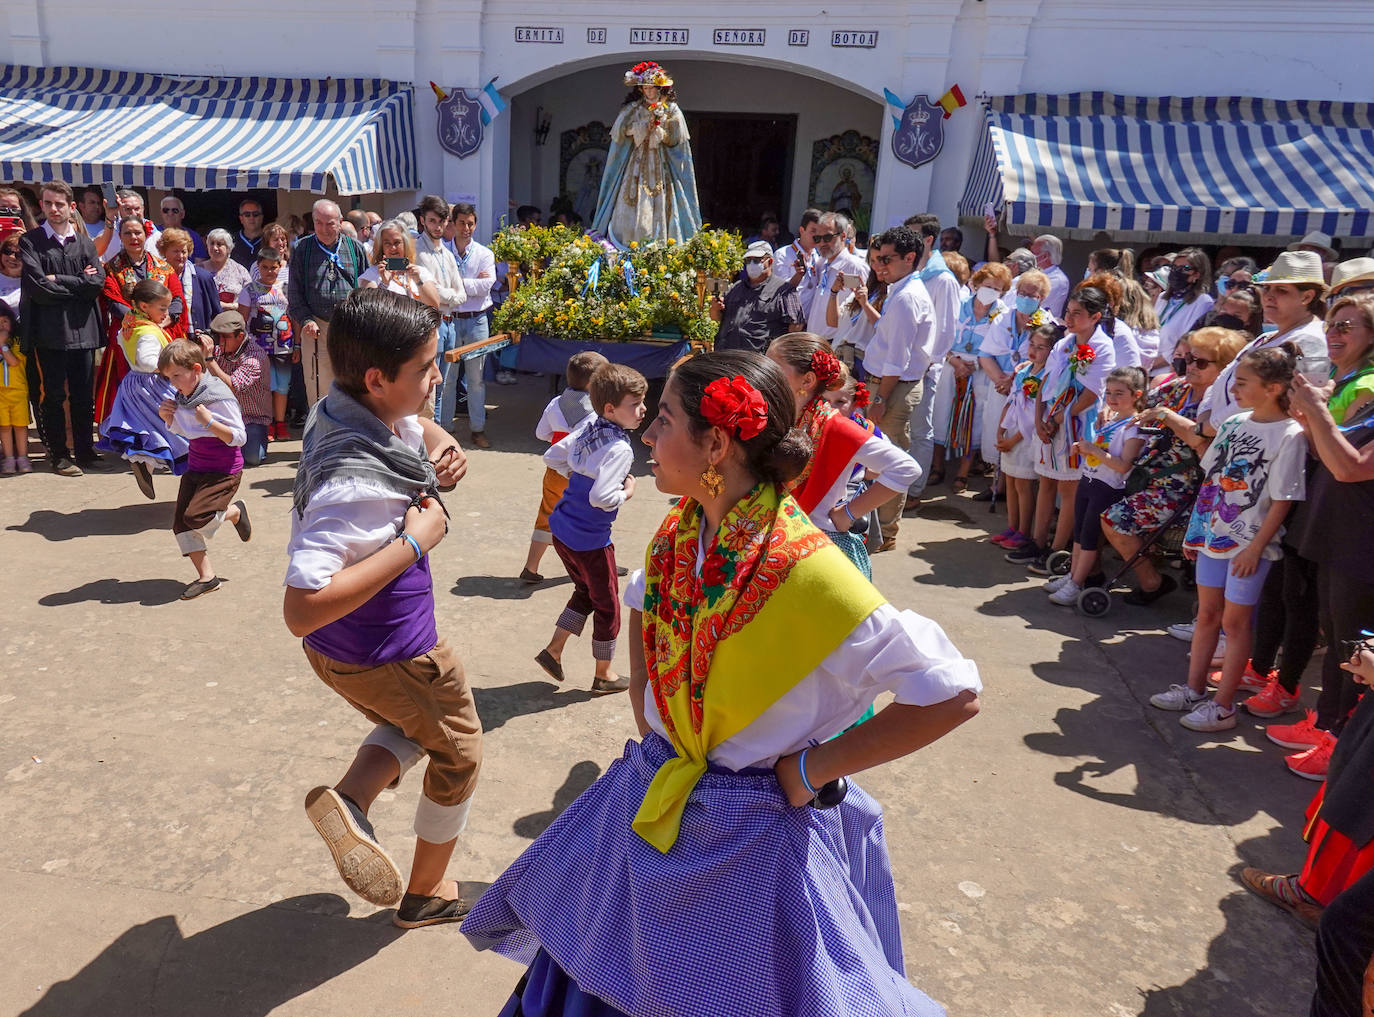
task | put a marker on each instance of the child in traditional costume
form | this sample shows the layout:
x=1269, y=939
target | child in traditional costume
x=563, y=413
x=838, y=444
x=1016, y=438
x=14, y=395
x=597, y=458
x=722, y=865
x=851, y=398
x=206, y=413
x=134, y=427
x=367, y=515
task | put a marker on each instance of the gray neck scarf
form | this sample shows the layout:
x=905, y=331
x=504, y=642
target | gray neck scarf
x=210, y=390
x=575, y=406
x=343, y=438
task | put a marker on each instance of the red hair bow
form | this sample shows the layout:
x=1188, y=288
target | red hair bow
x=734, y=405
x=826, y=368
x=861, y=396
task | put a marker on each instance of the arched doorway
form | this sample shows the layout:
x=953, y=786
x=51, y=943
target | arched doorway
x=764, y=138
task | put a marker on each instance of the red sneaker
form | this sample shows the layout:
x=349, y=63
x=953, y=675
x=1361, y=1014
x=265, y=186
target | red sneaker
x=1312, y=764
x=1302, y=735
x=1000, y=539
x=1273, y=701
x=1250, y=681
x=281, y=433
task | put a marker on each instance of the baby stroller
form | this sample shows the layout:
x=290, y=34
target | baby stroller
x=1096, y=601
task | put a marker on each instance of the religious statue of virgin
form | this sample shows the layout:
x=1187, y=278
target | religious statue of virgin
x=649, y=186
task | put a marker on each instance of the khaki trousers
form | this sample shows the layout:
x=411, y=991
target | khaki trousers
x=895, y=424
x=315, y=364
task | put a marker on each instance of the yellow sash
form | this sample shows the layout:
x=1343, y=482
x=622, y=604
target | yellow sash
x=774, y=599
x=136, y=326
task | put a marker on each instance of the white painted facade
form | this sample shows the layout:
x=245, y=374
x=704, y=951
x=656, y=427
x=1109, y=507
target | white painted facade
x=1318, y=49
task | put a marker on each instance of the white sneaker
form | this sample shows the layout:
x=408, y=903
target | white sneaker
x=1066, y=595
x=1182, y=631
x=1219, y=654
x=1055, y=582
x=1179, y=698
x=1209, y=716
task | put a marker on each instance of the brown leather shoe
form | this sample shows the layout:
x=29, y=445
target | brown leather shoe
x=479, y=440
x=886, y=545
x=1283, y=891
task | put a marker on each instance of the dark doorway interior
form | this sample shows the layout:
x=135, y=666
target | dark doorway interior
x=744, y=166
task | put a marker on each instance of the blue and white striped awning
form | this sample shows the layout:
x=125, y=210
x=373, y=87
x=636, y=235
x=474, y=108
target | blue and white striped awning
x=88, y=126
x=1176, y=168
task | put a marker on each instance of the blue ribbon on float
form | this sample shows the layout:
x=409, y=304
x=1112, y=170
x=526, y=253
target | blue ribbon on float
x=629, y=272
x=593, y=277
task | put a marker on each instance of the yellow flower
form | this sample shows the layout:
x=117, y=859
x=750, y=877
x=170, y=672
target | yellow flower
x=634, y=245
x=671, y=241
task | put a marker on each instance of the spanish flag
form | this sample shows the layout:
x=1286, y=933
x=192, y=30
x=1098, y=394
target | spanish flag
x=951, y=101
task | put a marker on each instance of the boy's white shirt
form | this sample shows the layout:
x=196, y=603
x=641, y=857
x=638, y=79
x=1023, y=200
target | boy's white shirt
x=608, y=466
x=223, y=411
x=345, y=521
x=551, y=421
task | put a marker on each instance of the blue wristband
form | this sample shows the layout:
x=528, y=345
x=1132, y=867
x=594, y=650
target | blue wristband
x=414, y=544
x=801, y=765
x=850, y=514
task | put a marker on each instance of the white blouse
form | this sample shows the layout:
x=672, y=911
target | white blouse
x=889, y=651
x=896, y=471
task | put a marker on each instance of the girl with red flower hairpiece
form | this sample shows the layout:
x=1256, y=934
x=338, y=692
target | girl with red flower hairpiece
x=737, y=713
x=840, y=445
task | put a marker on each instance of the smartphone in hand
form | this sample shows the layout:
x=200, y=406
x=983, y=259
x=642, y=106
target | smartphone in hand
x=397, y=264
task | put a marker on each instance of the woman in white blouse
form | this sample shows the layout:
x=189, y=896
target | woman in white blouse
x=392, y=244
x=1186, y=298
x=760, y=643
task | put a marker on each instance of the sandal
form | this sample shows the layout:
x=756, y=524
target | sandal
x=620, y=684
x=937, y=476
x=417, y=911
x=960, y=485
x=1141, y=597
x=532, y=578
x=550, y=664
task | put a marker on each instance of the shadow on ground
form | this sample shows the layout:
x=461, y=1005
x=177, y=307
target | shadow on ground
x=497, y=705
x=147, y=592
x=120, y=521
x=245, y=967
x=502, y=587
x=580, y=777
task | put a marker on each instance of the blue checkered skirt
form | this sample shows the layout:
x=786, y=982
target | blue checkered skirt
x=760, y=909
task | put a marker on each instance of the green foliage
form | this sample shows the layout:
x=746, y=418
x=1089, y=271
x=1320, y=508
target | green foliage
x=562, y=304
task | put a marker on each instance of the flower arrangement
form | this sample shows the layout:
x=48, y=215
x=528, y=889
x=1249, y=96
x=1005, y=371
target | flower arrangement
x=862, y=397
x=588, y=292
x=1030, y=388
x=1081, y=358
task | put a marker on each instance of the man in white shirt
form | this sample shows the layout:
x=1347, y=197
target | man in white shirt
x=127, y=202
x=901, y=350
x=835, y=271
x=946, y=299
x=477, y=265
x=793, y=262
x=431, y=253
x=1049, y=252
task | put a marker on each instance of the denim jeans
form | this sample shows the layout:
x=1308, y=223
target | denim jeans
x=922, y=426
x=471, y=330
x=446, y=394
x=255, y=448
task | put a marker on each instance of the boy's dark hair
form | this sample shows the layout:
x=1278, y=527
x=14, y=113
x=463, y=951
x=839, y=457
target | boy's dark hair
x=809, y=216
x=925, y=223
x=266, y=253
x=148, y=289
x=376, y=328
x=465, y=208
x=181, y=352
x=525, y=213
x=904, y=240
x=581, y=367
x=613, y=382
x=57, y=187
x=432, y=203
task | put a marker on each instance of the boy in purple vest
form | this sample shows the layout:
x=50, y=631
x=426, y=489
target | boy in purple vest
x=596, y=458
x=358, y=590
x=205, y=411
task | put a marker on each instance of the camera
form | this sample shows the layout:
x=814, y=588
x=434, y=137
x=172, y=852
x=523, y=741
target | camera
x=1353, y=647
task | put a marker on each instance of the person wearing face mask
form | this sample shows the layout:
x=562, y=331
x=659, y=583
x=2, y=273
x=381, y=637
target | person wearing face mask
x=758, y=308
x=1186, y=298
x=1049, y=252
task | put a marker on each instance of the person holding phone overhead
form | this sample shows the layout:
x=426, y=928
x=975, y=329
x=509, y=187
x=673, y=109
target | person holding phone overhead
x=838, y=271
x=758, y=308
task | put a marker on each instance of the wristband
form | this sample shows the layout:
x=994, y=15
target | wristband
x=801, y=766
x=414, y=544
x=850, y=514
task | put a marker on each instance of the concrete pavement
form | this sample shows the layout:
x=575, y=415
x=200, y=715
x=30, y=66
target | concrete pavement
x=1070, y=852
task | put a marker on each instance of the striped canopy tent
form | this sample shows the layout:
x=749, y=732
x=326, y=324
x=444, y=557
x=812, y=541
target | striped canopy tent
x=88, y=126
x=1165, y=169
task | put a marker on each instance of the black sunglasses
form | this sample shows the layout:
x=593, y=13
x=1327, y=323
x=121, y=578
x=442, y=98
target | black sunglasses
x=13, y=252
x=824, y=238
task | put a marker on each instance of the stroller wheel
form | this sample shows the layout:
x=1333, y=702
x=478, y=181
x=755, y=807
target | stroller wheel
x=1059, y=563
x=1094, y=602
